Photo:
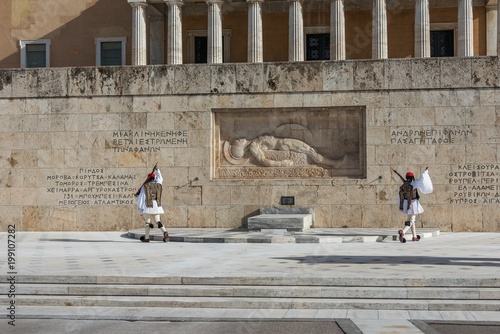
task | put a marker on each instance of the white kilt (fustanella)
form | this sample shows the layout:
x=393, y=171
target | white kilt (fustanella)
x=415, y=208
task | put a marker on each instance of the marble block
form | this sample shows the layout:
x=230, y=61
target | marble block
x=290, y=222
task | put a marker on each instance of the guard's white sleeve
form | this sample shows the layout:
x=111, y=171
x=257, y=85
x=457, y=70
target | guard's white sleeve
x=424, y=183
x=158, y=177
x=141, y=200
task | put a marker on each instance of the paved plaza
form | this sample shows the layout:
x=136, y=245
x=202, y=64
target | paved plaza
x=70, y=257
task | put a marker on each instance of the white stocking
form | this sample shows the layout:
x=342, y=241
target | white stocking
x=147, y=228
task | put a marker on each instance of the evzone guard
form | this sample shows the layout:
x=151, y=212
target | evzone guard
x=409, y=200
x=149, y=203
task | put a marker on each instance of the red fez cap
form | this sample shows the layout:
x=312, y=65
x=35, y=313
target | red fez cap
x=409, y=175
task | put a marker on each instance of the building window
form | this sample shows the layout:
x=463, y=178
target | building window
x=110, y=51
x=200, y=49
x=317, y=43
x=443, y=39
x=198, y=44
x=442, y=43
x=318, y=47
x=35, y=53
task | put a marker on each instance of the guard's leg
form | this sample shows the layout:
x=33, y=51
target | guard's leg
x=162, y=228
x=403, y=231
x=409, y=223
x=147, y=228
x=413, y=229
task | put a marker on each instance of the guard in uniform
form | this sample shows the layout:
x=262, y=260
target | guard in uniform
x=409, y=201
x=149, y=203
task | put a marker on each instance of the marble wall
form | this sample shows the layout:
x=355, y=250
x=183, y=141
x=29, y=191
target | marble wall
x=76, y=143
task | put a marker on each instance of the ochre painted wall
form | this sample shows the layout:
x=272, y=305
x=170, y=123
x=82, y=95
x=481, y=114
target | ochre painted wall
x=73, y=27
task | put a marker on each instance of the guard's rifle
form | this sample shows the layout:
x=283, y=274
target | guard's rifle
x=402, y=178
x=147, y=179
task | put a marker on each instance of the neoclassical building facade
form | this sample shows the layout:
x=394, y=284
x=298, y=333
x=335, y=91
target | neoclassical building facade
x=147, y=32
x=457, y=24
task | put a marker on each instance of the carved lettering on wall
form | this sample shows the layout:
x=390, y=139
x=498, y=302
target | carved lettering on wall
x=93, y=186
x=475, y=184
x=145, y=141
x=428, y=136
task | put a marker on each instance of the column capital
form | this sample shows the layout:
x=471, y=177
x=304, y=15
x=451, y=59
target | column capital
x=136, y=3
x=214, y=2
x=255, y=1
x=296, y=1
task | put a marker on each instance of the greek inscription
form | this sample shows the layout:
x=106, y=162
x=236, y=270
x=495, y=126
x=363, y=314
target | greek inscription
x=146, y=141
x=475, y=184
x=416, y=136
x=92, y=186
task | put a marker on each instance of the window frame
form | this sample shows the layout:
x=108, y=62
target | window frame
x=447, y=26
x=98, y=49
x=192, y=34
x=314, y=31
x=24, y=54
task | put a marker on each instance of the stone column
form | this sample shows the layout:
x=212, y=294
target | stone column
x=174, y=37
x=139, y=38
x=295, y=31
x=337, y=30
x=214, y=52
x=465, y=32
x=422, y=29
x=255, y=50
x=491, y=29
x=379, y=30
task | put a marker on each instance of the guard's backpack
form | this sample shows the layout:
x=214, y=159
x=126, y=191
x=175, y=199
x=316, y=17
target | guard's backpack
x=407, y=192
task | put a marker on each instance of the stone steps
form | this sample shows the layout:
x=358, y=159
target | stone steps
x=439, y=294
x=258, y=303
x=347, y=292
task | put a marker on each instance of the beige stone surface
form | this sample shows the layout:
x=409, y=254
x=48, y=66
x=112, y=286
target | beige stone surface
x=201, y=216
x=376, y=216
x=12, y=216
x=455, y=72
x=467, y=218
x=6, y=84
x=491, y=218
x=482, y=75
x=426, y=73
x=175, y=215
x=161, y=79
x=346, y=216
x=369, y=75
x=228, y=216
x=437, y=216
x=249, y=78
x=338, y=76
x=404, y=114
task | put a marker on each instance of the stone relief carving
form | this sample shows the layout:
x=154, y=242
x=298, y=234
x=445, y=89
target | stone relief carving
x=271, y=151
x=316, y=142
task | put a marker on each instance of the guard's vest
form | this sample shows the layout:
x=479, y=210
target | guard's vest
x=407, y=192
x=153, y=193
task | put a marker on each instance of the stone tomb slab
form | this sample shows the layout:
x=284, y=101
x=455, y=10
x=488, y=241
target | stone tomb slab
x=288, y=221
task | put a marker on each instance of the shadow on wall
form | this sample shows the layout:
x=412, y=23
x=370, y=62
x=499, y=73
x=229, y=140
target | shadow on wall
x=78, y=34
